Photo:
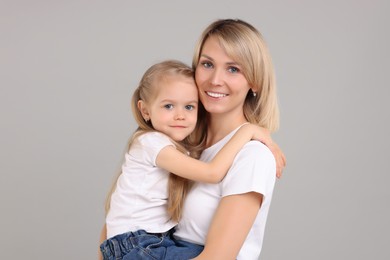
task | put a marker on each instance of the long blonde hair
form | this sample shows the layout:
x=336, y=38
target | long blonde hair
x=246, y=46
x=178, y=187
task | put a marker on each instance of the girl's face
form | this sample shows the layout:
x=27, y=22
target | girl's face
x=173, y=111
x=221, y=83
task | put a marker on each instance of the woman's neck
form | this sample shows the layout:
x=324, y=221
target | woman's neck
x=220, y=126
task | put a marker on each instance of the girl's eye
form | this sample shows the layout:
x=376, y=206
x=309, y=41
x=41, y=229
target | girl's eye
x=233, y=69
x=168, y=106
x=190, y=107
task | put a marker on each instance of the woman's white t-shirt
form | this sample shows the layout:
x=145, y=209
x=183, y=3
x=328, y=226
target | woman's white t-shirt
x=253, y=170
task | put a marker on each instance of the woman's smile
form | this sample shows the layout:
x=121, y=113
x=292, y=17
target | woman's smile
x=216, y=94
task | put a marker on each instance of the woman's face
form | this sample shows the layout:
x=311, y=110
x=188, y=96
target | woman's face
x=221, y=83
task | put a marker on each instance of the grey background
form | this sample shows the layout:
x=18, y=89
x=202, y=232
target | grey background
x=67, y=72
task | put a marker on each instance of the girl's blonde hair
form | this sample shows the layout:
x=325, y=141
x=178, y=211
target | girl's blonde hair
x=246, y=46
x=146, y=91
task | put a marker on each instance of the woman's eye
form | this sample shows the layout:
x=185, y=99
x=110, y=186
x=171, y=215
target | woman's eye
x=206, y=64
x=233, y=69
x=168, y=106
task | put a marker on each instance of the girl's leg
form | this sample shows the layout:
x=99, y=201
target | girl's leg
x=183, y=250
x=161, y=247
x=131, y=244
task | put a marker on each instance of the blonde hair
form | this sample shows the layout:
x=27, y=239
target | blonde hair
x=246, y=46
x=146, y=91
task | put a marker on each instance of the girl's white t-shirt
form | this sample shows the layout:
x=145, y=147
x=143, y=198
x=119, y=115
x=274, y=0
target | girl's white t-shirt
x=253, y=170
x=140, y=198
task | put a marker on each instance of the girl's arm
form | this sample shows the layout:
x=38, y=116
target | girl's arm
x=230, y=227
x=182, y=165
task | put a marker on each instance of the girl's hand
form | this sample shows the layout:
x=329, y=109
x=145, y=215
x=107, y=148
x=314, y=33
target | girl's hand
x=280, y=158
x=263, y=135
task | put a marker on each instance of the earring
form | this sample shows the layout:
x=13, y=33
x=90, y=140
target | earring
x=147, y=119
x=254, y=93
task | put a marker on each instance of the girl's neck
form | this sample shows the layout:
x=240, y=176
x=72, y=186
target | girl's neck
x=220, y=126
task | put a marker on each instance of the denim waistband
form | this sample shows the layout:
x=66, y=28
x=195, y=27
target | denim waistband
x=125, y=242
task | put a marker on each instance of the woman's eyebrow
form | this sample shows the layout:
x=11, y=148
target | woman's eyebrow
x=206, y=56
x=232, y=63
x=229, y=63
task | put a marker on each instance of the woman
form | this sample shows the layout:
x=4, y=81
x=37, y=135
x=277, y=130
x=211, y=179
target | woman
x=236, y=84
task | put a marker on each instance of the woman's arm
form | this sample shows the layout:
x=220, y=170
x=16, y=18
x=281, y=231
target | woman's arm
x=230, y=227
x=182, y=165
x=246, y=192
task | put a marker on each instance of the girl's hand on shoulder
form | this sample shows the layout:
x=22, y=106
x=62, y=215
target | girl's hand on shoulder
x=263, y=135
x=280, y=158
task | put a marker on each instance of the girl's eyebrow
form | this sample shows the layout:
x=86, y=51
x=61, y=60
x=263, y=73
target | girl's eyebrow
x=194, y=101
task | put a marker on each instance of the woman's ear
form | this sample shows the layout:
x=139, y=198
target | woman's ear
x=254, y=92
x=253, y=89
x=143, y=108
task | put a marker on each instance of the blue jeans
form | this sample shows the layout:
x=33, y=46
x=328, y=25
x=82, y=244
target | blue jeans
x=148, y=246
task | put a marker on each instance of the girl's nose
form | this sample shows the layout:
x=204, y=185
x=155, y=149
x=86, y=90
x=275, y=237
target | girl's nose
x=179, y=115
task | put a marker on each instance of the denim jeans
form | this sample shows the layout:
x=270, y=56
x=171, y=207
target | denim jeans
x=148, y=246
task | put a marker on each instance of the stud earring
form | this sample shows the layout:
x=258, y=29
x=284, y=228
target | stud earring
x=254, y=93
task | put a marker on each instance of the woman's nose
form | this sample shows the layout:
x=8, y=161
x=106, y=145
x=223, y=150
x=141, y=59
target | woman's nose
x=216, y=77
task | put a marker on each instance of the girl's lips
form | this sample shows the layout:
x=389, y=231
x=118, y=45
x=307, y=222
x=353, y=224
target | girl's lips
x=215, y=95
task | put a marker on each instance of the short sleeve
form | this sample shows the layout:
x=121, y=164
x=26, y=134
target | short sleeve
x=149, y=145
x=253, y=170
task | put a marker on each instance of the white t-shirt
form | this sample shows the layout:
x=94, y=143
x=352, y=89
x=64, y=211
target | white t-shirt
x=140, y=198
x=254, y=170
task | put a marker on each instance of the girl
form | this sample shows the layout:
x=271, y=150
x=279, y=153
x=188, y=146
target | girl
x=140, y=212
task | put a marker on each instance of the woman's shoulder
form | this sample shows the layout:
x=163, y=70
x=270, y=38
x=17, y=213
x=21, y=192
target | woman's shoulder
x=255, y=155
x=256, y=149
x=254, y=169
